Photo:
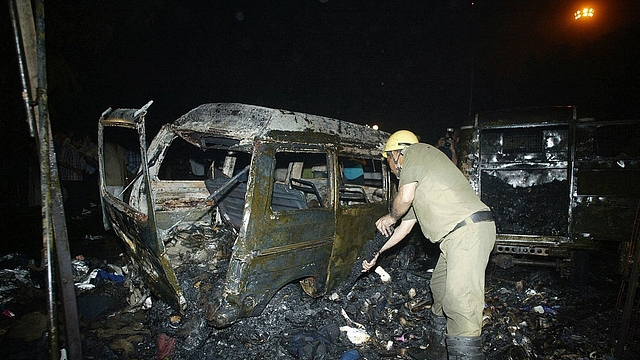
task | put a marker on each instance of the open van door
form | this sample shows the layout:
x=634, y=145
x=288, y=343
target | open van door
x=136, y=226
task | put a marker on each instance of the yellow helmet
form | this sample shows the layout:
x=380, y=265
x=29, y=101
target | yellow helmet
x=399, y=140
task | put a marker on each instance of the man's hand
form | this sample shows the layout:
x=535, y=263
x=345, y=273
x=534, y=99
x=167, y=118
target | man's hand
x=367, y=265
x=385, y=223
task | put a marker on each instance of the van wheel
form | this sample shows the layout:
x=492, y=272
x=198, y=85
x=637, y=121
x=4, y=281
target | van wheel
x=579, y=268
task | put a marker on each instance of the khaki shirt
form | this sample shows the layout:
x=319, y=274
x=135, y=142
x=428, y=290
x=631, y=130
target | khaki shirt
x=443, y=198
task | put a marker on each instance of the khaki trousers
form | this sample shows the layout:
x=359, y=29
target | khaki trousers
x=457, y=284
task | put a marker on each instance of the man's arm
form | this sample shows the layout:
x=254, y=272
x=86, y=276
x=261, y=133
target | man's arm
x=454, y=153
x=399, y=207
x=72, y=168
x=403, y=200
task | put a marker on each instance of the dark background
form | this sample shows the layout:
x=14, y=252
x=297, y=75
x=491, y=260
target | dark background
x=418, y=65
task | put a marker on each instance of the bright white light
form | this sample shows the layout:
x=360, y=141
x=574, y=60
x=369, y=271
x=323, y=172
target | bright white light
x=375, y=127
x=586, y=12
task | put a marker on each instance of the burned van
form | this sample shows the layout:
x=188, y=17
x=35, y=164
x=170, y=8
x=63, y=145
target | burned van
x=559, y=186
x=246, y=199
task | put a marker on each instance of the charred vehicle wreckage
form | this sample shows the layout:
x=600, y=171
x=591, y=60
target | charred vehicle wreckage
x=235, y=214
x=260, y=197
x=256, y=197
x=559, y=186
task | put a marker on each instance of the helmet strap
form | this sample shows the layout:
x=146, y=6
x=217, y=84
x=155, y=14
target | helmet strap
x=395, y=160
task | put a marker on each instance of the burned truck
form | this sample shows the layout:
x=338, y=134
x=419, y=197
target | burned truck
x=560, y=187
x=245, y=198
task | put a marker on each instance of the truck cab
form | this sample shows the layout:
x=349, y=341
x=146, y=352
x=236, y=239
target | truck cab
x=560, y=187
x=246, y=199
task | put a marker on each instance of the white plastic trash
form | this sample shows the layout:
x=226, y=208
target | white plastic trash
x=384, y=276
x=355, y=335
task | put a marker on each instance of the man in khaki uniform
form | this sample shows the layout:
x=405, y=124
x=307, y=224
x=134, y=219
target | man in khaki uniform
x=434, y=193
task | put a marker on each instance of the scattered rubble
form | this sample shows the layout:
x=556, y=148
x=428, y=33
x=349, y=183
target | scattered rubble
x=530, y=313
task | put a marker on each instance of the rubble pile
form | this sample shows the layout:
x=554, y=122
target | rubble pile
x=530, y=313
x=375, y=318
x=534, y=314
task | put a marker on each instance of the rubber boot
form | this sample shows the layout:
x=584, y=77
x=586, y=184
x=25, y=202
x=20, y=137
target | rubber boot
x=437, y=349
x=464, y=347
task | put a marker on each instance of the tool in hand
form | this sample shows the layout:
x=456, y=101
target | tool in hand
x=368, y=252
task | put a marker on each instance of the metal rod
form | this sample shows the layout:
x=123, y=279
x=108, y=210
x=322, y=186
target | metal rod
x=551, y=263
x=226, y=186
x=24, y=77
x=23, y=36
x=63, y=257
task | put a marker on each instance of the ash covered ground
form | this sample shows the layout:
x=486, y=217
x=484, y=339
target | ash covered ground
x=530, y=312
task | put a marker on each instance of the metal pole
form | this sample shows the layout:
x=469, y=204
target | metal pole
x=24, y=33
x=63, y=257
x=30, y=42
x=24, y=77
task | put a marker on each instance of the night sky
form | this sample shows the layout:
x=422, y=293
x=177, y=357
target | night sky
x=420, y=65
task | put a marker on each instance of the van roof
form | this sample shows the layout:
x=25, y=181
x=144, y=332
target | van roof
x=247, y=123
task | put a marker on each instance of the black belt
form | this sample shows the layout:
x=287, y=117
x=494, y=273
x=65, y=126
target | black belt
x=476, y=217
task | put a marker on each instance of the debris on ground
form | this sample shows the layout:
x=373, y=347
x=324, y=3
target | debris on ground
x=530, y=313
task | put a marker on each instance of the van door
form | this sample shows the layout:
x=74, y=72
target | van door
x=290, y=229
x=362, y=199
x=119, y=132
